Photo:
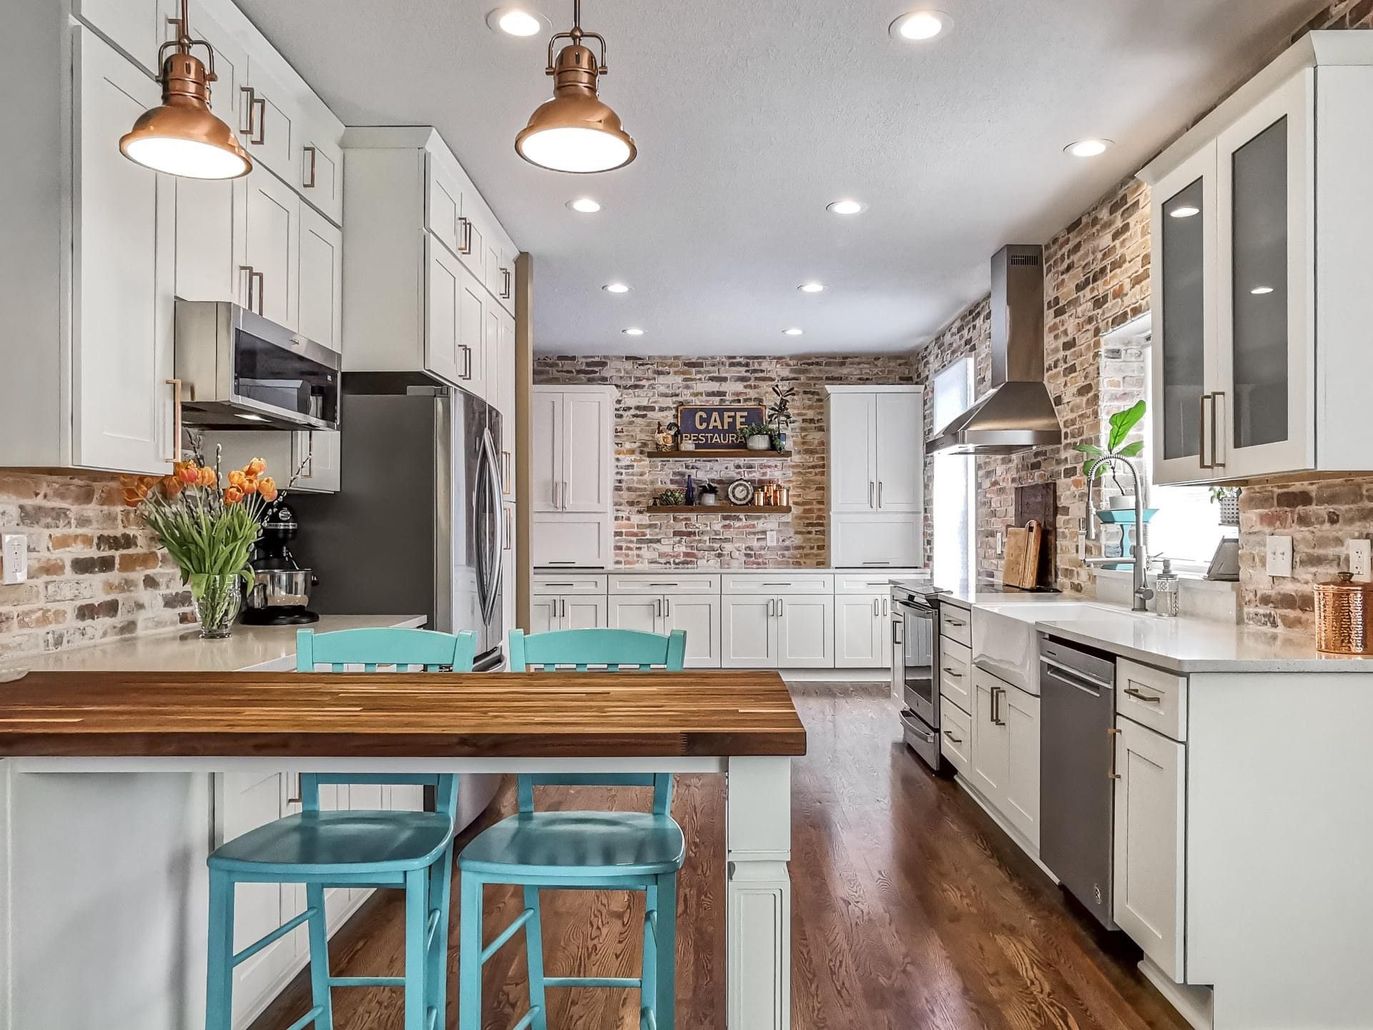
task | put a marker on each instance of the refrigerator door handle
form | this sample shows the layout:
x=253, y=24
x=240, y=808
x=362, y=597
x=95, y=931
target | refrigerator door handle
x=496, y=544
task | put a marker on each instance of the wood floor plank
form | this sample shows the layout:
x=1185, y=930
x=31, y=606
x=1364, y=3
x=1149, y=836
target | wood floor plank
x=912, y=910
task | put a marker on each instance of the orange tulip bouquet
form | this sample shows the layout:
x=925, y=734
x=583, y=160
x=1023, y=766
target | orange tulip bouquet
x=208, y=528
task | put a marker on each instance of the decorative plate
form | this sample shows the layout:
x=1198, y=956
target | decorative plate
x=740, y=492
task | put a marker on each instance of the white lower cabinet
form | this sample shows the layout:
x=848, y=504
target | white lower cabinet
x=1003, y=760
x=990, y=758
x=955, y=735
x=862, y=631
x=805, y=632
x=566, y=611
x=697, y=616
x=747, y=631
x=760, y=631
x=1150, y=815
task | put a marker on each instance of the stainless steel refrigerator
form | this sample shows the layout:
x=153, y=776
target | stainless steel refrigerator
x=416, y=527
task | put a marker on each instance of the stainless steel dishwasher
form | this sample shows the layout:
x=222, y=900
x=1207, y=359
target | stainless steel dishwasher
x=1077, y=770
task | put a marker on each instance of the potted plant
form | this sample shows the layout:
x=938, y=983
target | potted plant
x=208, y=528
x=670, y=499
x=779, y=412
x=709, y=495
x=1228, y=497
x=756, y=436
x=1119, y=427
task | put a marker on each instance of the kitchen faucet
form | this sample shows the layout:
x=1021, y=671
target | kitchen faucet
x=1138, y=560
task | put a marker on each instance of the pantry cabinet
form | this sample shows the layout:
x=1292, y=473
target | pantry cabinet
x=1260, y=214
x=573, y=472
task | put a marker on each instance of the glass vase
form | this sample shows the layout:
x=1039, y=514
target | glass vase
x=217, y=600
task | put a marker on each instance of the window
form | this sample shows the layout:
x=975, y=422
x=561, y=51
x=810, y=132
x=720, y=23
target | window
x=953, y=488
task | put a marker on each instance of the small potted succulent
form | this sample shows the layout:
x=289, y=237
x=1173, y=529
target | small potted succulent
x=709, y=495
x=756, y=436
x=670, y=499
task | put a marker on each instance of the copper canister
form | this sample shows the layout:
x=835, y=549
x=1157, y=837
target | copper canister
x=1344, y=616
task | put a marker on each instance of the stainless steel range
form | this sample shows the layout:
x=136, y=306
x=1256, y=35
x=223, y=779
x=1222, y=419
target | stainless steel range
x=915, y=665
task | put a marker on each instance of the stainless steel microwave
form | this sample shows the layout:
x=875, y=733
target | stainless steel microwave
x=239, y=370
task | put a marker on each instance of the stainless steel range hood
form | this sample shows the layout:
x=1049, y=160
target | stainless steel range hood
x=1017, y=413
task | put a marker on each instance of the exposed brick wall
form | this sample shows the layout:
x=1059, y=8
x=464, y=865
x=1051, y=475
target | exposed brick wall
x=93, y=573
x=650, y=389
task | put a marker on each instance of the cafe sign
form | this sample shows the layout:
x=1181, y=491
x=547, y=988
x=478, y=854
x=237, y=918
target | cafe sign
x=715, y=427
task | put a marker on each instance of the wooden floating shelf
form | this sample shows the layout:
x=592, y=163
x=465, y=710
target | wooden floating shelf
x=735, y=453
x=718, y=509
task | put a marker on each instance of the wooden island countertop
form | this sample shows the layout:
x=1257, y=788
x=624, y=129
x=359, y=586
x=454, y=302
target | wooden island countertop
x=417, y=715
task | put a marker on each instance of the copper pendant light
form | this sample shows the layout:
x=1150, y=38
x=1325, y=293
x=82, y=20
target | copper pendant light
x=183, y=136
x=575, y=131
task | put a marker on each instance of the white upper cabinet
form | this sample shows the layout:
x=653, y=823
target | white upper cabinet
x=573, y=461
x=852, y=451
x=1261, y=216
x=122, y=267
x=321, y=279
x=136, y=27
x=269, y=127
x=271, y=254
x=899, y=465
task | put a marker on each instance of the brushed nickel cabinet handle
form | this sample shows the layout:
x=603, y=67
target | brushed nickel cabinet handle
x=871, y=486
x=505, y=284
x=1216, y=460
x=310, y=183
x=1139, y=695
x=249, y=108
x=175, y=384
x=954, y=622
x=772, y=605
x=464, y=236
x=952, y=738
x=309, y=470
x=261, y=288
x=951, y=672
x=667, y=607
x=1201, y=430
x=781, y=608
x=259, y=121
x=1113, y=732
x=879, y=493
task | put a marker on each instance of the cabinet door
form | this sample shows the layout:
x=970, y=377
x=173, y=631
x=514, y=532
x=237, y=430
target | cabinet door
x=442, y=302
x=990, y=758
x=506, y=400
x=209, y=213
x=699, y=618
x=876, y=540
x=1020, y=713
x=853, y=464
x=123, y=270
x=271, y=249
x=318, y=455
x=268, y=129
x=134, y=26
x=544, y=613
x=748, y=634
x=1266, y=195
x=1184, y=325
x=546, y=447
x=508, y=569
x=572, y=540
x=443, y=201
x=1148, y=846
x=587, y=452
x=472, y=333
x=805, y=632
x=582, y=612
x=900, y=451
x=491, y=353
x=860, y=632
x=319, y=168
x=643, y=613
x=321, y=279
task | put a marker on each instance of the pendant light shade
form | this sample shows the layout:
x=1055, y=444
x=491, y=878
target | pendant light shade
x=183, y=136
x=575, y=131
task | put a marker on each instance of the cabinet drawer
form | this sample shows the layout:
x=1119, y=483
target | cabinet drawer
x=956, y=673
x=956, y=624
x=695, y=583
x=955, y=734
x=1152, y=697
x=863, y=582
x=779, y=583
x=572, y=540
x=553, y=583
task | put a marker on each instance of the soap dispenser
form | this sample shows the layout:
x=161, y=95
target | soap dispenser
x=1166, y=591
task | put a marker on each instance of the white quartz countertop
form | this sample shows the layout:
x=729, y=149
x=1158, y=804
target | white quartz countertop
x=1182, y=645
x=682, y=570
x=249, y=647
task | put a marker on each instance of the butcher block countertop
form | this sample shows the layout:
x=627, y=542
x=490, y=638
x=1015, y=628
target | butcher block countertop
x=415, y=715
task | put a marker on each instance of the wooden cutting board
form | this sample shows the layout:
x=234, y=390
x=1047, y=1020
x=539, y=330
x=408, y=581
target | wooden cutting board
x=1021, y=566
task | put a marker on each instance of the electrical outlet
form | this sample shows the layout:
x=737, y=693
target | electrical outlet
x=772, y=538
x=1279, y=550
x=14, y=558
x=1360, y=553
x=1000, y=544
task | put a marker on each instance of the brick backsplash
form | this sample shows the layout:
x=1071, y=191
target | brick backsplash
x=649, y=391
x=93, y=572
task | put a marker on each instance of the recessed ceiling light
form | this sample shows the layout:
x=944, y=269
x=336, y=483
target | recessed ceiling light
x=1185, y=211
x=1261, y=291
x=812, y=287
x=584, y=205
x=633, y=330
x=846, y=207
x=516, y=21
x=1088, y=147
x=791, y=332
x=918, y=26
x=616, y=287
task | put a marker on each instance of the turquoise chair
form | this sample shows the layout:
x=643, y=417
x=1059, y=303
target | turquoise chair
x=412, y=851
x=637, y=851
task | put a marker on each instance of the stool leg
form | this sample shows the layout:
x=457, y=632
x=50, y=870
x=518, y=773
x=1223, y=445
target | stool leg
x=416, y=919
x=666, y=1009
x=533, y=946
x=648, y=993
x=436, y=970
x=470, y=954
x=319, y=957
x=219, y=986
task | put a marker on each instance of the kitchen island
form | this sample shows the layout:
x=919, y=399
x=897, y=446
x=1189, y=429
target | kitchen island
x=94, y=724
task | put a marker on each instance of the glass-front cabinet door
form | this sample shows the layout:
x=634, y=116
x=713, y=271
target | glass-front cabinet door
x=1184, y=322
x=1262, y=407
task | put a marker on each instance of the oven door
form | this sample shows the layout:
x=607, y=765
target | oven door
x=915, y=661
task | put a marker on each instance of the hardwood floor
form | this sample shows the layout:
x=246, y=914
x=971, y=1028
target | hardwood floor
x=911, y=910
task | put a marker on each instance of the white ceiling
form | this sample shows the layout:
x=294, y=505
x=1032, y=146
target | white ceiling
x=751, y=115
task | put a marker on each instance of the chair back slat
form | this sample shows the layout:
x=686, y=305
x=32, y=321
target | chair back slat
x=402, y=649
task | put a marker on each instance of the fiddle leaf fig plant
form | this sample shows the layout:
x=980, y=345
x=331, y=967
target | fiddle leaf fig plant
x=1119, y=428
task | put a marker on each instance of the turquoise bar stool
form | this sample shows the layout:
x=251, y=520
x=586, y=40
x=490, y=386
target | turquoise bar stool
x=412, y=851
x=637, y=851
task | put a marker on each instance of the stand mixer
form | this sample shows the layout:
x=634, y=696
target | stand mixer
x=280, y=592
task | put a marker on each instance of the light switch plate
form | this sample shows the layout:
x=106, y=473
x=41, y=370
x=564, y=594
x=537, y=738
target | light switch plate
x=14, y=558
x=1279, y=551
x=1360, y=552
